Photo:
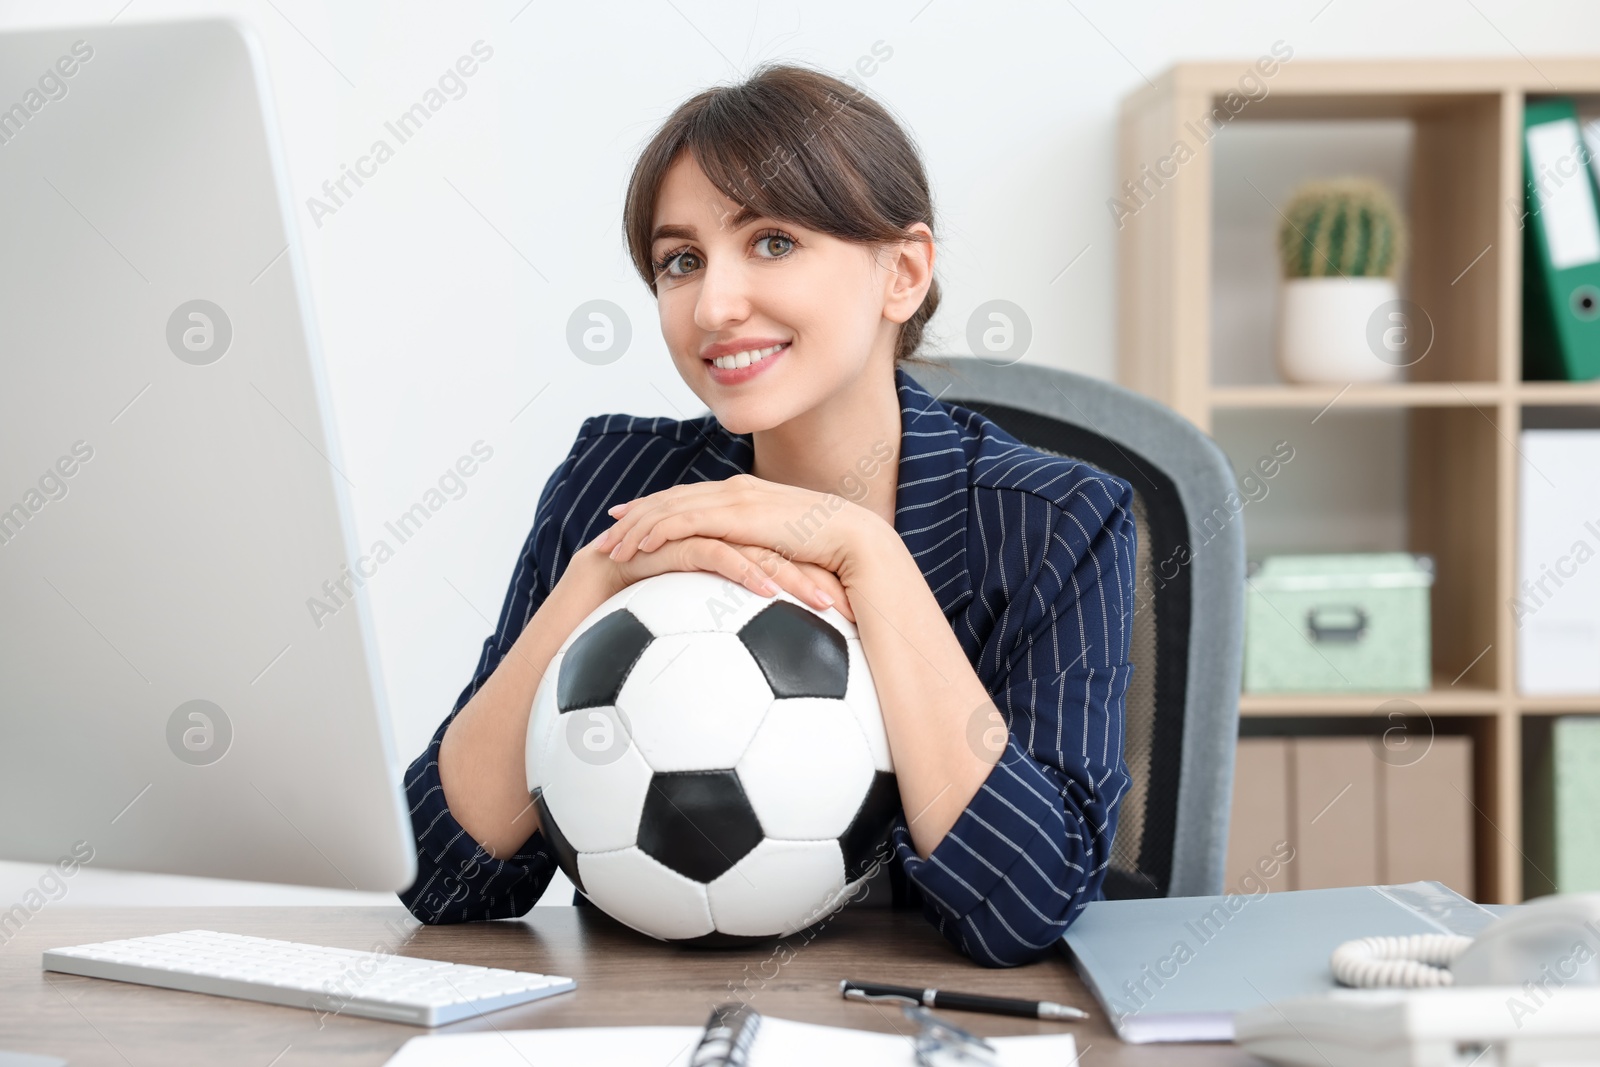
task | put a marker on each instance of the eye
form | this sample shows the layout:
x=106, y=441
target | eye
x=669, y=258
x=775, y=235
x=663, y=265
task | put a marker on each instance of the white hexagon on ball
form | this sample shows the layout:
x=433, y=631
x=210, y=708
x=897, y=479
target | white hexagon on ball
x=634, y=889
x=542, y=720
x=790, y=884
x=693, y=701
x=679, y=602
x=807, y=769
x=862, y=697
x=595, y=802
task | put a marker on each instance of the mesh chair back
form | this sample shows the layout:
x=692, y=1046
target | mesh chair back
x=1181, y=710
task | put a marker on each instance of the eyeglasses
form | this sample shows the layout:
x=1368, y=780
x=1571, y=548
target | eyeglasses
x=938, y=1042
x=941, y=1043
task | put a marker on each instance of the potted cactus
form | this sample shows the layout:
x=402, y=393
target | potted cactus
x=1341, y=243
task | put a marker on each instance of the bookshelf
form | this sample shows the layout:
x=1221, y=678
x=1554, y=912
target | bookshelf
x=1463, y=405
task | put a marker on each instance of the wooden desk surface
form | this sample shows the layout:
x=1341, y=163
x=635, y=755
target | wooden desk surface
x=622, y=978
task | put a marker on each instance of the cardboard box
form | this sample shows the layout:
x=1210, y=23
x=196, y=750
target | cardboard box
x=1357, y=813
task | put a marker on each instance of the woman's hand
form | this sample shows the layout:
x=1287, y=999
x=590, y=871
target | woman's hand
x=802, y=540
x=760, y=570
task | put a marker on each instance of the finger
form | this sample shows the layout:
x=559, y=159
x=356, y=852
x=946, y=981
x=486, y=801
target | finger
x=805, y=586
x=729, y=513
x=644, y=514
x=669, y=523
x=719, y=557
x=616, y=511
x=636, y=516
x=829, y=583
x=781, y=573
x=626, y=514
x=714, y=516
x=626, y=529
x=697, y=554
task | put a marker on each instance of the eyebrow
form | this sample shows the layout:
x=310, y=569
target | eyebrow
x=741, y=217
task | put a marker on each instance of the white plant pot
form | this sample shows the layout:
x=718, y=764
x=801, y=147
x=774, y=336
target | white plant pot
x=1327, y=331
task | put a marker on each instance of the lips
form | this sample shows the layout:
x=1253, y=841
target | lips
x=736, y=374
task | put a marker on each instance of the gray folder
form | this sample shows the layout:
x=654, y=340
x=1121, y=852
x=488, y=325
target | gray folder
x=1178, y=968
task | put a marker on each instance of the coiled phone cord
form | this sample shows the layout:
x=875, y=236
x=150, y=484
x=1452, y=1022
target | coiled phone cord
x=1417, y=961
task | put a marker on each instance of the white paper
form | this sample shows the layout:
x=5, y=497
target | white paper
x=1566, y=204
x=1556, y=605
x=779, y=1043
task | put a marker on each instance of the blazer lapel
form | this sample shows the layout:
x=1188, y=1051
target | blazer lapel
x=930, y=507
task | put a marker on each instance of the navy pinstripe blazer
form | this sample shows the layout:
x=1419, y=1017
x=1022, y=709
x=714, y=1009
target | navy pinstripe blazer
x=1030, y=556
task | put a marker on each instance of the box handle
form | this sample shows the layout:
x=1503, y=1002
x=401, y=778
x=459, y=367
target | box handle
x=1336, y=623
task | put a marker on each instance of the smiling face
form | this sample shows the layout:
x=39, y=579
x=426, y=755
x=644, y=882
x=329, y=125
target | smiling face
x=735, y=286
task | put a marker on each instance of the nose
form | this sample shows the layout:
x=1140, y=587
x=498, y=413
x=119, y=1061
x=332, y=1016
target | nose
x=724, y=295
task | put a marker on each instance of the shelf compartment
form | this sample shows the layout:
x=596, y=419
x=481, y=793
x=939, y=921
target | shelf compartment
x=1455, y=483
x=1557, y=394
x=1442, y=699
x=1395, y=395
x=1575, y=704
x=1440, y=159
x=1405, y=394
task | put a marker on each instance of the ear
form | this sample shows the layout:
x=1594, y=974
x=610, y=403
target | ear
x=910, y=267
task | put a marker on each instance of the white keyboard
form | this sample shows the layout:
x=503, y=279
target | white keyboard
x=332, y=981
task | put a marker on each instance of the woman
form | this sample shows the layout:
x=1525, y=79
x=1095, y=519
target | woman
x=784, y=225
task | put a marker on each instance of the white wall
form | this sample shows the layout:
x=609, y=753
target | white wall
x=444, y=286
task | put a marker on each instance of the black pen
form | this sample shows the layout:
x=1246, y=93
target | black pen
x=935, y=998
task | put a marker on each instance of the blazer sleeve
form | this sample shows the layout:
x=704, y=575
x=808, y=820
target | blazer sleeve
x=1032, y=847
x=457, y=880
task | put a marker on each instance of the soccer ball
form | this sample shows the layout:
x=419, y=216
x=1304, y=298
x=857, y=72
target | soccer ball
x=709, y=765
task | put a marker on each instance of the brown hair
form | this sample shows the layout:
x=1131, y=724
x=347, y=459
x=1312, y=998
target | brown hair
x=795, y=144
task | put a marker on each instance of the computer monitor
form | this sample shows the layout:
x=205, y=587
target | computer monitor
x=189, y=681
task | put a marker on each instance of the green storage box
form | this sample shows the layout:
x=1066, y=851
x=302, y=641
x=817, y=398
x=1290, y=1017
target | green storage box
x=1338, y=623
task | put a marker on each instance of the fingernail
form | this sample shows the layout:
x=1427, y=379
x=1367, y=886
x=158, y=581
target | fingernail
x=614, y=551
x=614, y=508
x=767, y=586
x=824, y=599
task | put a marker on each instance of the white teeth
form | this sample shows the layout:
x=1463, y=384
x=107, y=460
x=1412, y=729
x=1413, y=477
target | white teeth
x=745, y=358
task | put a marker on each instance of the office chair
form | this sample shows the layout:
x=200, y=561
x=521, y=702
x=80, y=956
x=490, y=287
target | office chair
x=1182, y=708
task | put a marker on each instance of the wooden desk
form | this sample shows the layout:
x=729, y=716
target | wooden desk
x=622, y=978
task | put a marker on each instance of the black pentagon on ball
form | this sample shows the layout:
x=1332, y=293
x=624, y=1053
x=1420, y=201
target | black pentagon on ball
x=862, y=842
x=698, y=823
x=598, y=662
x=801, y=655
x=566, y=855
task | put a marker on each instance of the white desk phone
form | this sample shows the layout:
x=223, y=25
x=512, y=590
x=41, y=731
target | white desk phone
x=1524, y=992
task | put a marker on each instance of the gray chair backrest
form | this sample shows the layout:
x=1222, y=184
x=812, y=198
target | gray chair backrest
x=1182, y=708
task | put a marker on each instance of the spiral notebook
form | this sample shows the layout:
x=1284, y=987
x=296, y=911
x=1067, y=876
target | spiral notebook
x=779, y=1043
